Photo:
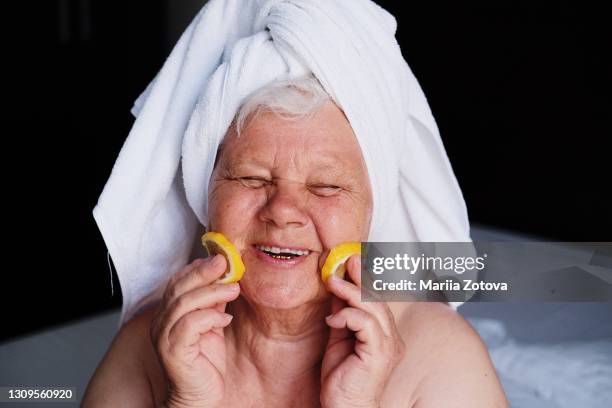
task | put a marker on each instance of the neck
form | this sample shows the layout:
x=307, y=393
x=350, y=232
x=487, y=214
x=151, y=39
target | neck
x=278, y=351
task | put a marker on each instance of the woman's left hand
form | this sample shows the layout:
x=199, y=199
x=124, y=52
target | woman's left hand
x=364, y=345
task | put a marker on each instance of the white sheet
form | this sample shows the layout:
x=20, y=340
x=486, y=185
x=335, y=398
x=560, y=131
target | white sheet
x=557, y=375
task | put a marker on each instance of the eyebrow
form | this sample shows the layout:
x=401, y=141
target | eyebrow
x=335, y=164
x=241, y=161
x=328, y=167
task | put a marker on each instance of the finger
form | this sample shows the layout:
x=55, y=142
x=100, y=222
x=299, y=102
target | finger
x=337, y=304
x=353, y=265
x=190, y=267
x=337, y=335
x=204, y=273
x=204, y=297
x=189, y=328
x=366, y=327
x=352, y=294
x=180, y=274
x=341, y=341
x=221, y=306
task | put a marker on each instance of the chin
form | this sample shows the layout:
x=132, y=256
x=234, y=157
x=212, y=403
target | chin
x=280, y=293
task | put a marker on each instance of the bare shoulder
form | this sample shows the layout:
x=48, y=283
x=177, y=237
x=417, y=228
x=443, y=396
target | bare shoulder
x=446, y=363
x=124, y=376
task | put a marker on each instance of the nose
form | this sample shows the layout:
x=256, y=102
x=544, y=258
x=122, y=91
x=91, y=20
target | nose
x=285, y=205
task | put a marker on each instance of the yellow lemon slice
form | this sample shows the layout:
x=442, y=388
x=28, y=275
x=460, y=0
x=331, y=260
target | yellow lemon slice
x=216, y=243
x=335, y=262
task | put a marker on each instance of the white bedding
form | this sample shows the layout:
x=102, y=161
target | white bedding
x=556, y=375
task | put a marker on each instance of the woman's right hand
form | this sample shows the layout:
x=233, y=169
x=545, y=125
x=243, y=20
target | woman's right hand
x=187, y=333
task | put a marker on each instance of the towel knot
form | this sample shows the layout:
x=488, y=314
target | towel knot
x=264, y=9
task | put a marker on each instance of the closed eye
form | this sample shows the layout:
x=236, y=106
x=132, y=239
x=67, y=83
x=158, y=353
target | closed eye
x=253, y=182
x=324, y=190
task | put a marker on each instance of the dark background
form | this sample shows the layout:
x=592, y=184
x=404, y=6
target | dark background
x=518, y=91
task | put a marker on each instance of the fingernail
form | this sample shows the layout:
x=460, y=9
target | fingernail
x=228, y=317
x=233, y=287
x=334, y=279
x=329, y=318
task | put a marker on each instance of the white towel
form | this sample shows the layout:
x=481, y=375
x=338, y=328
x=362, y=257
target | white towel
x=156, y=197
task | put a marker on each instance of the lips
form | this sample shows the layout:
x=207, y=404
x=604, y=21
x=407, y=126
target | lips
x=280, y=254
x=282, y=250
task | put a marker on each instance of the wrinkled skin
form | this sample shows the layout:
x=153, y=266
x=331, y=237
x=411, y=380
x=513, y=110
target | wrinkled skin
x=298, y=184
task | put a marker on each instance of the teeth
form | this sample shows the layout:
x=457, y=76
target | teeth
x=280, y=256
x=278, y=250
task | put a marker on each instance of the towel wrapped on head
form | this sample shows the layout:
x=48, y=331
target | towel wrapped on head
x=156, y=197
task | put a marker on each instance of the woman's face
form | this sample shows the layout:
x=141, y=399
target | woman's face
x=290, y=184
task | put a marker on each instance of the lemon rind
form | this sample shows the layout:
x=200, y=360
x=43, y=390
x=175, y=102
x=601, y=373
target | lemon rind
x=334, y=264
x=229, y=251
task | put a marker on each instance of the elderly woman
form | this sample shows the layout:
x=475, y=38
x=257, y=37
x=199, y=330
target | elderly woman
x=281, y=337
x=288, y=173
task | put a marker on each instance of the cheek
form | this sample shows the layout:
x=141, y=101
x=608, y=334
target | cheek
x=231, y=211
x=339, y=221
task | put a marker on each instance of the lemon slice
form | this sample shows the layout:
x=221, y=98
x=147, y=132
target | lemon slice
x=335, y=262
x=216, y=243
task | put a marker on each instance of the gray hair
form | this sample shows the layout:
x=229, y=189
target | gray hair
x=291, y=99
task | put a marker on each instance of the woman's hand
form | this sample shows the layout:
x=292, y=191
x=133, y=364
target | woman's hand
x=364, y=345
x=187, y=333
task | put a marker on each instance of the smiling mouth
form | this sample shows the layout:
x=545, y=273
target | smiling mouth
x=282, y=253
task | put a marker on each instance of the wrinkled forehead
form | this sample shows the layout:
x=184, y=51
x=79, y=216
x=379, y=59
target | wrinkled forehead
x=323, y=138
